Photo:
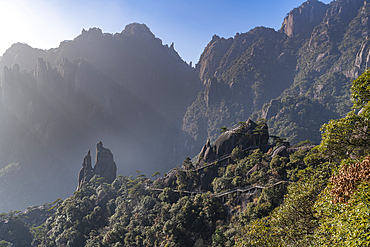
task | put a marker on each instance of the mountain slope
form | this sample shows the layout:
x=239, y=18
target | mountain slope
x=313, y=58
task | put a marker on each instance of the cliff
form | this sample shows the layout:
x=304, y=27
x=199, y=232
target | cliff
x=302, y=20
x=307, y=66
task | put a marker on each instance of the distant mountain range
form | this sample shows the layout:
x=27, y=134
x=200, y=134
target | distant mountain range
x=127, y=90
x=152, y=109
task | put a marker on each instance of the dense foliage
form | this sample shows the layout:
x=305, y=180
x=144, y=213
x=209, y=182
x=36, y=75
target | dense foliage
x=124, y=213
x=137, y=212
x=329, y=205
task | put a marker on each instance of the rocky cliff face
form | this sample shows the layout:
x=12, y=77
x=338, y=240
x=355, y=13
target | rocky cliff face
x=302, y=20
x=310, y=61
x=243, y=139
x=210, y=58
x=239, y=74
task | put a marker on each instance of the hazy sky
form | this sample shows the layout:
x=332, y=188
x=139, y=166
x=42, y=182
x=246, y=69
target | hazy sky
x=190, y=24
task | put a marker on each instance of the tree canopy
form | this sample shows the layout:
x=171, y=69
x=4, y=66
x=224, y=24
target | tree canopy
x=349, y=136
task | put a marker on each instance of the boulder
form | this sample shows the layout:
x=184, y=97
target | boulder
x=244, y=136
x=281, y=151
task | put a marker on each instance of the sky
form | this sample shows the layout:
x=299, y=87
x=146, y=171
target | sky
x=190, y=24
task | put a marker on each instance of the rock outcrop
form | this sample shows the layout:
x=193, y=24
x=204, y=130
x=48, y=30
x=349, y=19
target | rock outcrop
x=246, y=135
x=86, y=171
x=104, y=166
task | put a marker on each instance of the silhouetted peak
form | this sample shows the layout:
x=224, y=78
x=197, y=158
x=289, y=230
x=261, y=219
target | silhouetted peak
x=91, y=34
x=137, y=29
x=92, y=31
x=19, y=45
x=140, y=31
x=215, y=38
x=99, y=146
x=16, y=68
x=104, y=166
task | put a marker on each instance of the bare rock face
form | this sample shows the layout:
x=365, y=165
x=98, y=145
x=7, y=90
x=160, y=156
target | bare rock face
x=271, y=110
x=209, y=60
x=303, y=19
x=214, y=90
x=282, y=150
x=104, y=164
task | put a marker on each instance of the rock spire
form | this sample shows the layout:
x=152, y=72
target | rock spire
x=104, y=166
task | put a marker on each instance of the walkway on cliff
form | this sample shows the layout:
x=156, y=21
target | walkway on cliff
x=225, y=193
x=222, y=158
x=248, y=188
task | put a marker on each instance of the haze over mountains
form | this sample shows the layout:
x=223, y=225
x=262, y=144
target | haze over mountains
x=152, y=109
x=127, y=90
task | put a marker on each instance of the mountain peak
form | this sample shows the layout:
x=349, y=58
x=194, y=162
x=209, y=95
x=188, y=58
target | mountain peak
x=135, y=28
x=92, y=33
x=303, y=19
x=138, y=30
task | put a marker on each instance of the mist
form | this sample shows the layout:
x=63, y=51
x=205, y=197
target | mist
x=56, y=105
